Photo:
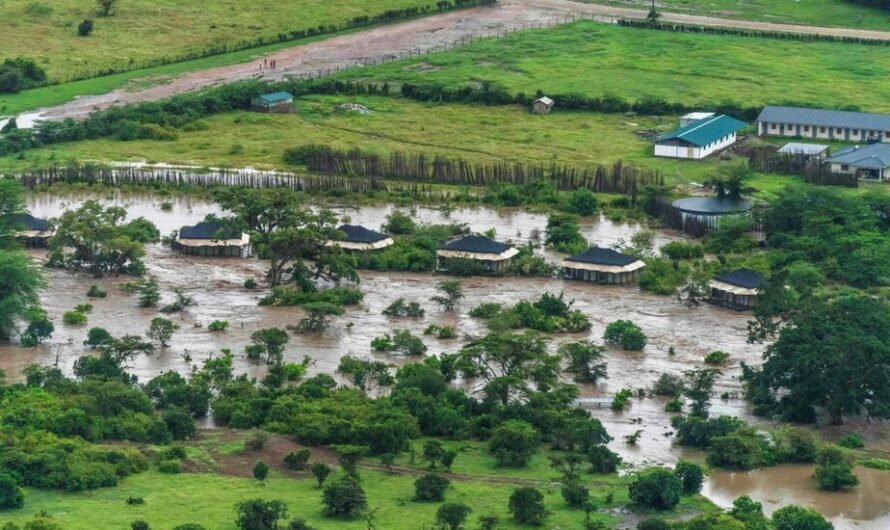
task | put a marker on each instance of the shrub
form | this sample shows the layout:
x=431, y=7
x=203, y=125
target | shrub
x=259, y=514
x=218, y=325
x=581, y=202
x=84, y=308
x=320, y=471
x=135, y=501
x=11, y=495
x=296, y=461
x=486, y=310
x=717, y=358
x=575, y=493
x=441, y=332
x=344, y=498
x=298, y=524
x=741, y=449
x=399, y=223
x=451, y=515
x=691, y=475
x=402, y=342
x=621, y=399
x=513, y=443
x=527, y=506
x=97, y=337
x=250, y=283
x=260, y=471
x=834, y=469
x=95, y=292
x=797, y=518
x=625, y=333
x=85, y=28
x=430, y=487
x=400, y=308
x=674, y=406
x=74, y=318
x=668, y=385
x=851, y=441
x=656, y=488
x=256, y=440
x=602, y=459
x=170, y=466
x=139, y=524
x=653, y=524
x=795, y=445
x=680, y=250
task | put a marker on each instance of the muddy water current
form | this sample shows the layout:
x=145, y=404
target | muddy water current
x=217, y=286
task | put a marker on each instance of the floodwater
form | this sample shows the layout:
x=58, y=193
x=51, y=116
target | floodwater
x=217, y=286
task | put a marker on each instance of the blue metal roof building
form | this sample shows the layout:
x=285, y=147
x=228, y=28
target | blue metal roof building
x=870, y=161
x=839, y=125
x=699, y=138
x=274, y=102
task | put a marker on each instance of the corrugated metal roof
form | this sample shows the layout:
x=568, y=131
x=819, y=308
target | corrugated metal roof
x=704, y=132
x=872, y=156
x=603, y=256
x=476, y=245
x=796, y=148
x=276, y=96
x=825, y=118
x=545, y=100
x=743, y=278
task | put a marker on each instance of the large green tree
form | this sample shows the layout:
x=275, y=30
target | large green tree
x=834, y=356
x=19, y=278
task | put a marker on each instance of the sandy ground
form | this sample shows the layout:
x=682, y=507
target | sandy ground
x=413, y=37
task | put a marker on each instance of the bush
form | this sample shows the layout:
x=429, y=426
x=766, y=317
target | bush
x=297, y=461
x=95, y=292
x=250, y=283
x=851, y=441
x=218, y=325
x=797, y=518
x=836, y=477
x=527, y=506
x=170, y=466
x=259, y=514
x=74, y=318
x=717, y=358
x=513, y=443
x=451, y=515
x=441, y=332
x=625, y=333
x=430, y=487
x=656, y=488
x=85, y=28
x=344, y=498
x=668, y=385
x=575, y=493
x=11, y=495
x=260, y=470
x=139, y=525
x=653, y=524
x=581, y=202
x=402, y=342
x=400, y=308
x=682, y=250
x=256, y=440
x=691, y=475
x=662, y=276
x=741, y=449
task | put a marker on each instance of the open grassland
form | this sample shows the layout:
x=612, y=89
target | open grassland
x=807, y=12
x=474, y=133
x=597, y=59
x=208, y=498
x=142, y=30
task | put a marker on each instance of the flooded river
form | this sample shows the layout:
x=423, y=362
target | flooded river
x=217, y=286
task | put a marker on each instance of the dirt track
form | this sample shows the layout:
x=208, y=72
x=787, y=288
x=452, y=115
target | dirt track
x=415, y=36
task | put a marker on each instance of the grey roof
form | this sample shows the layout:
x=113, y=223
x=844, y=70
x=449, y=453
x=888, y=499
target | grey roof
x=33, y=223
x=825, y=118
x=603, y=256
x=712, y=205
x=476, y=245
x=706, y=131
x=360, y=234
x=745, y=278
x=796, y=148
x=209, y=230
x=871, y=156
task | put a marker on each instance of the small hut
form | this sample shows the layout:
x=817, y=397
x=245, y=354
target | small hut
x=35, y=232
x=360, y=239
x=542, y=105
x=274, y=102
x=212, y=239
x=705, y=213
x=493, y=257
x=602, y=265
x=737, y=290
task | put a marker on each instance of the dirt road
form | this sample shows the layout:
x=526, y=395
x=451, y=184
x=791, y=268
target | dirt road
x=412, y=37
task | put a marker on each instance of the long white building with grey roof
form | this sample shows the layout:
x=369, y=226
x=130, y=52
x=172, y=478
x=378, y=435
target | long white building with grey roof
x=835, y=125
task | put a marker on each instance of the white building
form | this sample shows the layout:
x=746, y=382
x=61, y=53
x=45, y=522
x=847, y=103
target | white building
x=837, y=125
x=699, y=139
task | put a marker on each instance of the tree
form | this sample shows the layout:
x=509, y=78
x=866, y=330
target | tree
x=96, y=239
x=365, y=373
x=260, y=471
x=818, y=358
x=258, y=514
x=296, y=461
x=320, y=471
x=564, y=233
x=287, y=232
x=527, y=506
x=625, y=333
x=834, y=469
x=451, y=515
x=656, y=488
x=19, y=285
x=698, y=386
x=12, y=207
x=269, y=342
x=585, y=361
x=318, y=315
x=11, y=495
x=575, y=493
x=691, y=475
x=344, y=498
x=433, y=451
x=430, y=487
x=450, y=293
x=161, y=330
x=581, y=202
x=797, y=518
x=105, y=7
x=149, y=292
x=39, y=327
x=513, y=443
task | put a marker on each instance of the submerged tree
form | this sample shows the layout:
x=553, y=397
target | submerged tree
x=584, y=360
x=450, y=293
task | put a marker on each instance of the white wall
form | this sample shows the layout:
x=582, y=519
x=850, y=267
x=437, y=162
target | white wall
x=694, y=153
x=815, y=131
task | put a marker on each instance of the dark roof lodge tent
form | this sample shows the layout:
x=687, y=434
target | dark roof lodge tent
x=737, y=289
x=493, y=255
x=33, y=231
x=212, y=238
x=602, y=265
x=359, y=238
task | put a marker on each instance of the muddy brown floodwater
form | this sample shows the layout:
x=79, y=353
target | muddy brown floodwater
x=216, y=284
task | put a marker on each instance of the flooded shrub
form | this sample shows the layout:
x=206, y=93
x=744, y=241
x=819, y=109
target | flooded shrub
x=170, y=466
x=622, y=399
x=441, y=332
x=529, y=264
x=74, y=318
x=674, y=406
x=399, y=223
x=795, y=445
x=682, y=250
x=269, y=342
x=166, y=206
x=402, y=342
x=161, y=330
x=430, y=487
x=626, y=334
x=450, y=292
x=656, y=488
x=717, y=358
x=486, y=310
x=549, y=313
x=97, y=337
x=794, y=518
x=563, y=233
x=401, y=308
x=698, y=432
x=741, y=449
x=250, y=283
x=834, y=469
x=318, y=316
x=95, y=292
x=84, y=308
x=218, y=325
x=295, y=371
x=584, y=361
x=289, y=296
x=668, y=385
x=662, y=276
x=149, y=292
x=39, y=327
x=181, y=302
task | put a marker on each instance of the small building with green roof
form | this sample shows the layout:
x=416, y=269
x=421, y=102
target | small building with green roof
x=699, y=139
x=274, y=102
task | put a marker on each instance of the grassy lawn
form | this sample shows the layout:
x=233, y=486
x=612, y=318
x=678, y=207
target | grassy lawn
x=475, y=133
x=597, y=59
x=140, y=30
x=808, y=12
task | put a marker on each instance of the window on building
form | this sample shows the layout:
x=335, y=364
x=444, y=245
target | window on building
x=821, y=129
x=840, y=131
x=773, y=126
x=845, y=167
x=806, y=128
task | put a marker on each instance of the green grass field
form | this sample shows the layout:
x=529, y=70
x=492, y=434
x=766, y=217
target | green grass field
x=475, y=133
x=597, y=59
x=807, y=12
x=140, y=30
x=209, y=498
